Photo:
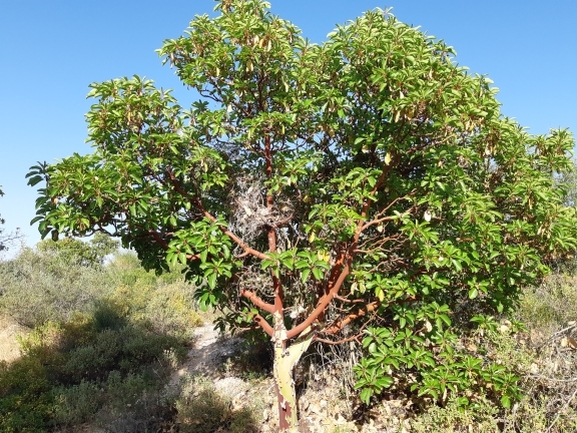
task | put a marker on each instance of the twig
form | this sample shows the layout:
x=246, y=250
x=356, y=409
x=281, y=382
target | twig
x=557, y=334
x=533, y=376
x=560, y=411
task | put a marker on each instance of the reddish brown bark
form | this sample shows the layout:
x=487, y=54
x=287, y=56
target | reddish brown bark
x=257, y=301
x=341, y=323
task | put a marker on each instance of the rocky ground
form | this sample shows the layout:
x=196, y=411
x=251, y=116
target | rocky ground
x=325, y=404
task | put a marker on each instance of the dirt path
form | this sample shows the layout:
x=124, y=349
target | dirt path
x=207, y=354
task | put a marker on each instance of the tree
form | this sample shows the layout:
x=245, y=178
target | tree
x=367, y=186
x=76, y=252
x=6, y=238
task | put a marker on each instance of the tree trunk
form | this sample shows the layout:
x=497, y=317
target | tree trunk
x=284, y=361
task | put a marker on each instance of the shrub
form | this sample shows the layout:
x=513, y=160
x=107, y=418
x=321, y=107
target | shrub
x=37, y=288
x=541, y=353
x=124, y=349
x=123, y=390
x=437, y=371
x=545, y=356
x=162, y=304
x=548, y=306
x=25, y=400
x=453, y=418
x=125, y=270
x=103, y=340
x=75, y=404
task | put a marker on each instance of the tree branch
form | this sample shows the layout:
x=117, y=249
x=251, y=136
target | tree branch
x=271, y=235
x=260, y=321
x=339, y=273
x=257, y=301
x=158, y=239
x=341, y=323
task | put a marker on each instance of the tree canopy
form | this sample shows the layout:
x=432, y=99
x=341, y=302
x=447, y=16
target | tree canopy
x=367, y=185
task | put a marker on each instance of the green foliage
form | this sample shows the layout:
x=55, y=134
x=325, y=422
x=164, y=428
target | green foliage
x=76, y=404
x=117, y=400
x=25, y=402
x=539, y=354
x=70, y=372
x=109, y=348
x=43, y=285
x=364, y=181
x=74, y=251
x=121, y=390
x=453, y=418
x=429, y=363
x=162, y=304
x=548, y=306
x=107, y=341
x=546, y=356
x=567, y=180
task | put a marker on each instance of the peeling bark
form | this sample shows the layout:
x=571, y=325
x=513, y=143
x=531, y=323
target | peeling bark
x=284, y=361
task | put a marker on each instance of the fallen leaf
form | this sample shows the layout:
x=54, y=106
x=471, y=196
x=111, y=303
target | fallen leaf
x=571, y=342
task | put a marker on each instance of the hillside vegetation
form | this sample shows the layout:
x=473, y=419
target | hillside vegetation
x=100, y=339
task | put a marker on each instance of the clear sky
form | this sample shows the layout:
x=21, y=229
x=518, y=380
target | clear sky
x=52, y=50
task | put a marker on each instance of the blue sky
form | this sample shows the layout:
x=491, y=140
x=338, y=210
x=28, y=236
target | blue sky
x=52, y=50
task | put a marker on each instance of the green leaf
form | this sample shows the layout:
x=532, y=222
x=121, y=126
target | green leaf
x=317, y=273
x=366, y=395
x=384, y=382
x=211, y=280
x=305, y=275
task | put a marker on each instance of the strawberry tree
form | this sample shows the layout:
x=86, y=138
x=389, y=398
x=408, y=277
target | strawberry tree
x=363, y=189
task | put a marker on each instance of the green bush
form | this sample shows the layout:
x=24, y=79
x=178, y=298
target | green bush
x=124, y=349
x=77, y=252
x=25, y=399
x=548, y=366
x=171, y=310
x=125, y=270
x=59, y=379
x=164, y=304
x=432, y=368
x=76, y=404
x=549, y=305
x=135, y=403
x=103, y=339
x=535, y=353
x=37, y=288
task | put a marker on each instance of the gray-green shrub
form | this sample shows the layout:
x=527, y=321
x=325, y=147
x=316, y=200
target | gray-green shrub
x=36, y=288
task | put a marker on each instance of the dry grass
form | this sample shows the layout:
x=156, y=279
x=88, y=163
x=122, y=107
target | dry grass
x=10, y=330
